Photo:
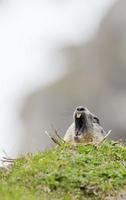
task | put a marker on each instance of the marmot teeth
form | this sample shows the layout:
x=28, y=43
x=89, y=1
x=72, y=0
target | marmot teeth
x=78, y=115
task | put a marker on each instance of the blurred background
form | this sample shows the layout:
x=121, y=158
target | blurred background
x=54, y=56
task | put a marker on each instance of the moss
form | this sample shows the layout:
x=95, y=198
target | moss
x=67, y=173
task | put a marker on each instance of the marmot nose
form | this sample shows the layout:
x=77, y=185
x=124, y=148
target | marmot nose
x=80, y=108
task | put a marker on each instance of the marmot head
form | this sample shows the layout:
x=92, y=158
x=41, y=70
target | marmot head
x=85, y=122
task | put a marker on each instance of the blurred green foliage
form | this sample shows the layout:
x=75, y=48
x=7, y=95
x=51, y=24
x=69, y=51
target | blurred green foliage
x=67, y=173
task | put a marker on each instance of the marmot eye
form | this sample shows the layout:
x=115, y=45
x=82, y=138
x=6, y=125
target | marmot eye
x=96, y=120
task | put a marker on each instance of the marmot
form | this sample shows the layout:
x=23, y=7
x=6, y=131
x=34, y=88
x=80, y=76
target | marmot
x=85, y=128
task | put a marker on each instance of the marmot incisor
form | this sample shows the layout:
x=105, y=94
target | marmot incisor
x=86, y=128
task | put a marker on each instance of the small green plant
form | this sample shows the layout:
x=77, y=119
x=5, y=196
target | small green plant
x=67, y=173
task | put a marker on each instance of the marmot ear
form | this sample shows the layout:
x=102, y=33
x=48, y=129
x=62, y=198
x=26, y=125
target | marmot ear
x=96, y=119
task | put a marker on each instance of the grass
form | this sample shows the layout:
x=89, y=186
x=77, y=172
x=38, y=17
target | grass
x=67, y=173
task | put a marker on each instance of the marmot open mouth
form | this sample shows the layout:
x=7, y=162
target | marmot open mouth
x=80, y=123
